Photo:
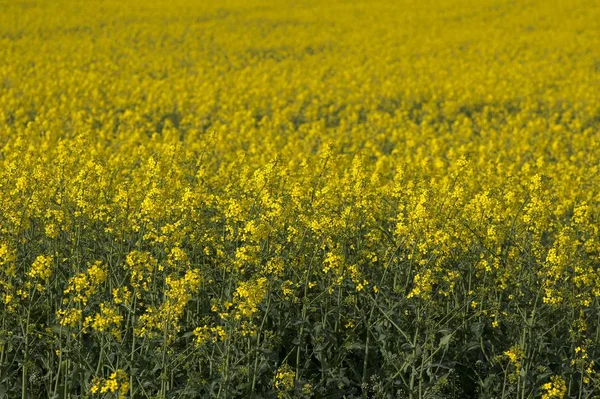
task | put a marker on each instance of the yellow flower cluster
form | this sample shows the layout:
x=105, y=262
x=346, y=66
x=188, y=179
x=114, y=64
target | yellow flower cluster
x=205, y=334
x=142, y=267
x=82, y=286
x=166, y=317
x=248, y=295
x=555, y=389
x=42, y=268
x=7, y=272
x=117, y=382
x=515, y=356
x=284, y=380
x=107, y=318
x=584, y=364
x=69, y=317
x=199, y=192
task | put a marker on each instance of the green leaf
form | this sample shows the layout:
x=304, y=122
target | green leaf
x=445, y=340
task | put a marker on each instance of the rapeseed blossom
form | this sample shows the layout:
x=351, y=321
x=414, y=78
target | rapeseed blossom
x=300, y=199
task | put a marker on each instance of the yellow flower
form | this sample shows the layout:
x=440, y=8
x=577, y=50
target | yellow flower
x=107, y=318
x=515, y=355
x=249, y=295
x=555, y=389
x=117, y=382
x=42, y=268
x=284, y=380
x=69, y=317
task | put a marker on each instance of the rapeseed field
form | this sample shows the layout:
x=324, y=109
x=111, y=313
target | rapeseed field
x=299, y=199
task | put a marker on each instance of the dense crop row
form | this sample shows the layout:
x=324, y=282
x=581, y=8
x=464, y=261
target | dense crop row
x=299, y=199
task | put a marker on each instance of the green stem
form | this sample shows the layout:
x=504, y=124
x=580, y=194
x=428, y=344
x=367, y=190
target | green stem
x=258, y=334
